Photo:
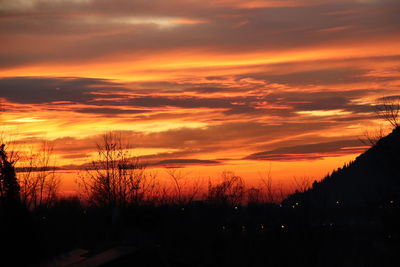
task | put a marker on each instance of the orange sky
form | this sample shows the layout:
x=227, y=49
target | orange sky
x=206, y=85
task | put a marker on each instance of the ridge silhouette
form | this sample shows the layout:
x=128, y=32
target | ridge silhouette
x=373, y=178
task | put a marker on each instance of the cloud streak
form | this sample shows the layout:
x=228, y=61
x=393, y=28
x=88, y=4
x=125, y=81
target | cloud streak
x=310, y=151
x=217, y=83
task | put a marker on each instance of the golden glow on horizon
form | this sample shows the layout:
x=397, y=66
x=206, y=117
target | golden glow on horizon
x=220, y=85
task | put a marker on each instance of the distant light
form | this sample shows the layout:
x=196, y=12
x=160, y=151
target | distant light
x=223, y=227
x=391, y=201
x=282, y=226
x=293, y=206
x=236, y=208
x=280, y=205
x=183, y=209
x=337, y=202
x=331, y=224
x=297, y=203
x=262, y=226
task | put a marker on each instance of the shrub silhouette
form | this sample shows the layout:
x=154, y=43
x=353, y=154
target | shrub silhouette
x=229, y=192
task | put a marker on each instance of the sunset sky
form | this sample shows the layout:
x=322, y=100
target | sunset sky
x=209, y=85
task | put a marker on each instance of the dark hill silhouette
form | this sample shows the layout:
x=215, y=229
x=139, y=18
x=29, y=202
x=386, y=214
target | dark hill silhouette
x=372, y=179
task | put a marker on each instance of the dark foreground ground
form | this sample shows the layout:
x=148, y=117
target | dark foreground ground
x=199, y=234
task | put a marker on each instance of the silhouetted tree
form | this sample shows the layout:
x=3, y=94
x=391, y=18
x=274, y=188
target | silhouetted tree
x=270, y=191
x=370, y=138
x=230, y=191
x=184, y=190
x=9, y=187
x=388, y=109
x=302, y=183
x=15, y=227
x=38, y=178
x=115, y=178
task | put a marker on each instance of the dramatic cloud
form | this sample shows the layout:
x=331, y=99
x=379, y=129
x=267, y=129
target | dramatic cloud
x=221, y=83
x=70, y=31
x=28, y=90
x=311, y=151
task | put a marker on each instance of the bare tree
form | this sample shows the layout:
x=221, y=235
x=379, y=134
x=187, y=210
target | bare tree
x=185, y=190
x=370, y=138
x=176, y=177
x=302, y=184
x=230, y=191
x=115, y=178
x=266, y=180
x=38, y=178
x=388, y=109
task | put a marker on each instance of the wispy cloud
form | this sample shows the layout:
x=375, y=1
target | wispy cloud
x=193, y=82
